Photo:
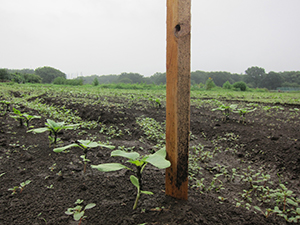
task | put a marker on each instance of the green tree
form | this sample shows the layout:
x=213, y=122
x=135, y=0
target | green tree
x=271, y=81
x=255, y=75
x=209, y=84
x=125, y=80
x=158, y=78
x=48, y=74
x=18, y=78
x=95, y=82
x=60, y=80
x=4, y=75
x=227, y=85
x=241, y=85
x=134, y=77
x=32, y=78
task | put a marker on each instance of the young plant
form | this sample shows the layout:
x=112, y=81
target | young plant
x=85, y=145
x=53, y=128
x=21, y=187
x=226, y=109
x=242, y=112
x=23, y=117
x=158, y=159
x=78, y=212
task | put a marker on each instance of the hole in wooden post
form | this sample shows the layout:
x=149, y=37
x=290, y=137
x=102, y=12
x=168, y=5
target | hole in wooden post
x=177, y=28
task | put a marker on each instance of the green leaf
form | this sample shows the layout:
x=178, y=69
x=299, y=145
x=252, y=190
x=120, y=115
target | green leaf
x=89, y=206
x=158, y=159
x=291, y=202
x=78, y=215
x=88, y=143
x=78, y=201
x=135, y=181
x=39, y=130
x=92, y=144
x=129, y=155
x=147, y=192
x=257, y=208
x=109, y=167
x=70, y=126
x=69, y=211
x=16, y=111
x=277, y=210
x=60, y=149
x=136, y=162
x=53, y=124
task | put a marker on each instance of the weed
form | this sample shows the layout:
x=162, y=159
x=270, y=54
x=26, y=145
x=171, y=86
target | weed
x=78, y=211
x=21, y=187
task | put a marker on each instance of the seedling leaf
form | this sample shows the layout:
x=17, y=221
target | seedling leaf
x=147, y=192
x=89, y=206
x=109, y=167
x=135, y=181
x=158, y=159
x=60, y=149
x=39, y=130
x=129, y=155
x=78, y=215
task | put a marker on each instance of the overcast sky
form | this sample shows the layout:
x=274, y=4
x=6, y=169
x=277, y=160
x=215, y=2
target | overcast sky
x=86, y=37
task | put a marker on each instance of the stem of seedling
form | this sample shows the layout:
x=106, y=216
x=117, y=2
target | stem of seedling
x=139, y=171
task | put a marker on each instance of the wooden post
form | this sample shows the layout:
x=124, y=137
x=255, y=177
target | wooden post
x=178, y=96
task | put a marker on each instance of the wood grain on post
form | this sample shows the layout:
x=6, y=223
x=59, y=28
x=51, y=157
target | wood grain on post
x=178, y=96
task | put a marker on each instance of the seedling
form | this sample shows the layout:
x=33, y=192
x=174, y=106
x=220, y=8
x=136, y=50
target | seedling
x=85, y=145
x=54, y=128
x=78, y=212
x=284, y=196
x=226, y=109
x=21, y=187
x=242, y=112
x=23, y=117
x=267, y=213
x=157, y=159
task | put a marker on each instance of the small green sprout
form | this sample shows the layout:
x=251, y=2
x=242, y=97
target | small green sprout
x=266, y=214
x=242, y=112
x=23, y=117
x=157, y=159
x=226, y=109
x=78, y=211
x=54, y=128
x=85, y=145
x=21, y=187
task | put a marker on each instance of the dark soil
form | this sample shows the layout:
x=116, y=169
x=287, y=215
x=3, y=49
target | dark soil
x=268, y=140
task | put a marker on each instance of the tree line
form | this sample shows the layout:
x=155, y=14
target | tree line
x=254, y=77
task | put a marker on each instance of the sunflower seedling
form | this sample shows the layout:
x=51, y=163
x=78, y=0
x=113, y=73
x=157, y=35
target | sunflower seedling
x=21, y=187
x=23, y=117
x=226, y=109
x=85, y=145
x=242, y=112
x=158, y=159
x=78, y=211
x=54, y=128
